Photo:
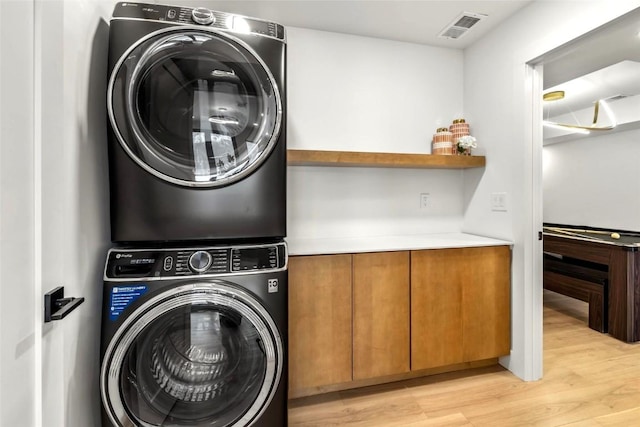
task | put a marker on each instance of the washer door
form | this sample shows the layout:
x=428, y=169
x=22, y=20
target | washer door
x=194, y=107
x=199, y=354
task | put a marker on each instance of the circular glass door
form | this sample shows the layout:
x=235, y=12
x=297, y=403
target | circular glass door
x=194, y=107
x=197, y=355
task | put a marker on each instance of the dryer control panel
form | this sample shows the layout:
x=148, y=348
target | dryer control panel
x=199, y=16
x=125, y=264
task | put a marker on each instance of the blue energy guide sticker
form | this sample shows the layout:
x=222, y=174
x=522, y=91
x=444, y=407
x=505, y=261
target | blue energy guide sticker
x=123, y=296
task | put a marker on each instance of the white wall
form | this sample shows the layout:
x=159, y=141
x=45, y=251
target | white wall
x=594, y=181
x=345, y=202
x=363, y=94
x=85, y=80
x=498, y=102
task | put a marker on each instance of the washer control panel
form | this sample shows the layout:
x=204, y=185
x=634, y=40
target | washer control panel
x=126, y=264
x=198, y=16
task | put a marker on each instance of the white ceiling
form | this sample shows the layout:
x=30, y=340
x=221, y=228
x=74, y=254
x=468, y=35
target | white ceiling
x=415, y=21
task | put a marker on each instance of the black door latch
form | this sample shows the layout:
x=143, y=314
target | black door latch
x=56, y=306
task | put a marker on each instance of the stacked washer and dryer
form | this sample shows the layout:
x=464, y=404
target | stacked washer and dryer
x=195, y=291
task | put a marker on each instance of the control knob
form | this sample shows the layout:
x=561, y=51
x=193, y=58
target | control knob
x=200, y=261
x=202, y=15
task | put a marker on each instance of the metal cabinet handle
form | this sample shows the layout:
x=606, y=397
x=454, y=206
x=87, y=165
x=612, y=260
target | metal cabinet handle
x=57, y=307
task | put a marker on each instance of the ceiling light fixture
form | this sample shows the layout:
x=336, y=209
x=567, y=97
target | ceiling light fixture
x=607, y=109
x=553, y=96
x=557, y=95
x=564, y=127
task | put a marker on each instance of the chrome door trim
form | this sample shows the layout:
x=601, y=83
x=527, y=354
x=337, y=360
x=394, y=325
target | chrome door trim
x=217, y=292
x=202, y=184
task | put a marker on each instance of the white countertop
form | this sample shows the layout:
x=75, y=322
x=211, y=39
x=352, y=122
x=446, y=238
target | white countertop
x=388, y=243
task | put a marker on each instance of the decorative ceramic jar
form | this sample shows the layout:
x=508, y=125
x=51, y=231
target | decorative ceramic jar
x=458, y=129
x=442, y=142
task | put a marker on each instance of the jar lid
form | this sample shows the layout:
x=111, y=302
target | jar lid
x=442, y=130
x=459, y=121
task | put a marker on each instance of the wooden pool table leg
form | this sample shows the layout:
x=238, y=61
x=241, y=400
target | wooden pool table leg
x=624, y=295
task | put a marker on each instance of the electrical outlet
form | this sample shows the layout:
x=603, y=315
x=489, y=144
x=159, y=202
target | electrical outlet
x=499, y=202
x=425, y=200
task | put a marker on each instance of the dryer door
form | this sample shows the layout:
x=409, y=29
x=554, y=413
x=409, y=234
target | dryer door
x=200, y=354
x=194, y=107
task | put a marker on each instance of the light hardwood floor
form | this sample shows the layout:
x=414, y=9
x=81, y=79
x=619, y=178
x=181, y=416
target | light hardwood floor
x=590, y=379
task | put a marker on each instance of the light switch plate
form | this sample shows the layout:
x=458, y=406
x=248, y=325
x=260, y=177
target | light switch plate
x=499, y=202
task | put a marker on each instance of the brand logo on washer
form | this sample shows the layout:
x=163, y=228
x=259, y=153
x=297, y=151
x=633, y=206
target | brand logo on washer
x=118, y=256
x=273, y=285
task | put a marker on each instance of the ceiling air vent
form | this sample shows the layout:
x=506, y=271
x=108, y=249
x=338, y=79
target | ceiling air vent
x=461, y=25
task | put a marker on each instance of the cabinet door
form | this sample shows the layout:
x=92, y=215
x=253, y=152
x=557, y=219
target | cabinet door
x=380, y=314
x=320, y=351
x=436, y=310
x=460, y=305
x=486, y=307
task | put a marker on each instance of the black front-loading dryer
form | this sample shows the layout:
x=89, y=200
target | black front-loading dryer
x=197, y=142
x=195, y=336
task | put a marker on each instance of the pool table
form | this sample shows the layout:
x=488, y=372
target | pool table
x=612, y=255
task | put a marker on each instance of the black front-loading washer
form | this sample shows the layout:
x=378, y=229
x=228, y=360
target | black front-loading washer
x=197, y=136
x=195, y=336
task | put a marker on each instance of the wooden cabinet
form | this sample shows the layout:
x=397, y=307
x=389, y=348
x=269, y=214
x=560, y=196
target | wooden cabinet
x=460, y=305
x=362, y=319
x=320, y=346
x=380, y=314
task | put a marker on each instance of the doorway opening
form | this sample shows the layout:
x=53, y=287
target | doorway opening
x=590, y=183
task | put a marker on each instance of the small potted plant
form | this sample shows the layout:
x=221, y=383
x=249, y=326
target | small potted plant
x=465, y=144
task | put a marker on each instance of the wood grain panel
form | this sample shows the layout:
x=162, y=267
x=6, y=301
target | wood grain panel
x=380, y=314
x=369, y=159
x=485, y=275
x=320, y=321
x=633, y=275
x=620, y=295
x=580, y=249
x=436, y=316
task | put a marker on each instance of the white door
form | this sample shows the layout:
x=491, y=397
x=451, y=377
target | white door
x=18, y=322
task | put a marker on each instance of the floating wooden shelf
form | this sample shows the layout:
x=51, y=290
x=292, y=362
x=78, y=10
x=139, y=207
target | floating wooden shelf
x=387, y=160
